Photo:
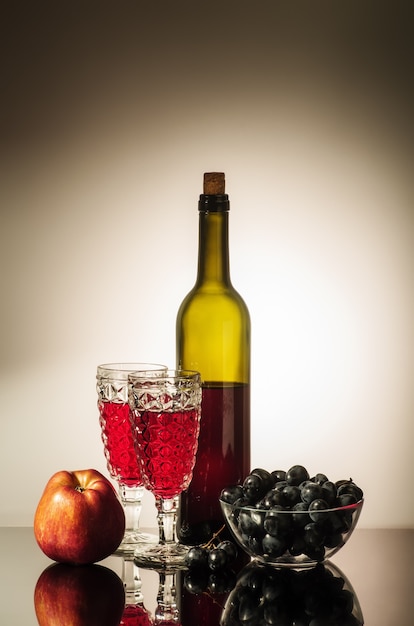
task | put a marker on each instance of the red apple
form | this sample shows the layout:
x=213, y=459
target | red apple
x=84, y=595
x=79, y=518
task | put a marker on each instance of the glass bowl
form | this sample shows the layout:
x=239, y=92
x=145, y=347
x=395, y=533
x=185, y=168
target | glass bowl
x=288, y=537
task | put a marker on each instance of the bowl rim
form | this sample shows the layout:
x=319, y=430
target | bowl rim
x=251, y=507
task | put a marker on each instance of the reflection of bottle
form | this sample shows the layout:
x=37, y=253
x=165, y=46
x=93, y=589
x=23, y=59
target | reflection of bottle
x=213, y=337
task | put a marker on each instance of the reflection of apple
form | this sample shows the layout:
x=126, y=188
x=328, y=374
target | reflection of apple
x=79, y=518
x=84, y=595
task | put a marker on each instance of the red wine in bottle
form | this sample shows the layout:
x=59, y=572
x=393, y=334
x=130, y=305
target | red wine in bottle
x=213, y=337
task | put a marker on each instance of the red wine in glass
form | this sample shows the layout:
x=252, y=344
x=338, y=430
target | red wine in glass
x=170, y=444
x=119, y=443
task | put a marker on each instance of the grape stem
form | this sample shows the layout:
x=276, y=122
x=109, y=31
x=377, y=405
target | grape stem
x=210, y=542
x=209, y=595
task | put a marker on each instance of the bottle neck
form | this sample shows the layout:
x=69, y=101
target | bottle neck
x=213, y=249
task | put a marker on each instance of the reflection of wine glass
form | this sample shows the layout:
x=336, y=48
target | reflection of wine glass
x=167, y=612
x=119, y=442
x=135, y=613
x=166, y=414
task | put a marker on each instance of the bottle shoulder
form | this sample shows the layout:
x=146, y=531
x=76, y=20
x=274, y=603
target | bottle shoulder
x=214, y=297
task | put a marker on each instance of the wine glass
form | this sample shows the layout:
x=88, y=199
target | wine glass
x=119, y=442
x=165, y=410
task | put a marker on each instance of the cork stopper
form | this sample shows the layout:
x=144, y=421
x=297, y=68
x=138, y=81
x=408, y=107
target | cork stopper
x=214, y=183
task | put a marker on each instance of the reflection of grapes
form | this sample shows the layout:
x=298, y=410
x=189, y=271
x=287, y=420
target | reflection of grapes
x=198, y=581
x=265, y=595
x=136, y=615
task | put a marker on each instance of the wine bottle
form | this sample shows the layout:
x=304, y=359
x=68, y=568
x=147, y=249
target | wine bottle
x=213, y=337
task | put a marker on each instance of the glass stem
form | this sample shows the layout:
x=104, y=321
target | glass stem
x=131, y=498
x=132, y=581
x=167, y=518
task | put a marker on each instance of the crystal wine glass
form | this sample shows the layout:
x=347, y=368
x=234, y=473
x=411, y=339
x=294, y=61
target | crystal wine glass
x=119, y=442
x=165, y=410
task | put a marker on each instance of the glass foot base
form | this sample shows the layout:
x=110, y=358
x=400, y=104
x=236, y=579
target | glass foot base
x=161, y=555
x=133, y=539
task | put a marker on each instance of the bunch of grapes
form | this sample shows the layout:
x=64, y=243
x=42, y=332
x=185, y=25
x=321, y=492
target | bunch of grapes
x=209, y=566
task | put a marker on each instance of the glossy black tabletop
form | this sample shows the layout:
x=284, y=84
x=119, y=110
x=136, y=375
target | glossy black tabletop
x=376, y=564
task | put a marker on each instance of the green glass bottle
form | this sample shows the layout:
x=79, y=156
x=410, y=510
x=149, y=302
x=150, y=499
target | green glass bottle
x=213, y=337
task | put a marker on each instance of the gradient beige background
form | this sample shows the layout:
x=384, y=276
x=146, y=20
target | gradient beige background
x=111, y=112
